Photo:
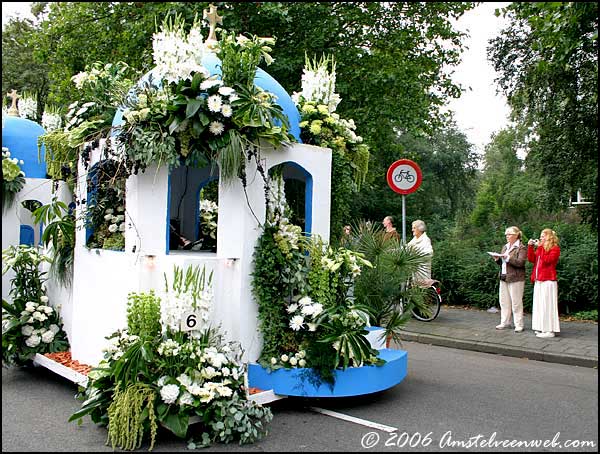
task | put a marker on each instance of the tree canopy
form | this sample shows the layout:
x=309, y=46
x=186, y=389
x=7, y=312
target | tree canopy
x=547, y=60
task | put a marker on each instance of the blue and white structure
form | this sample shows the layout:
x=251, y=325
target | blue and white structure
x=20, y=136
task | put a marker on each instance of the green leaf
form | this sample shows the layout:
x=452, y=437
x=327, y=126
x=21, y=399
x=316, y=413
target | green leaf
x=176, y=423
x=192, y=107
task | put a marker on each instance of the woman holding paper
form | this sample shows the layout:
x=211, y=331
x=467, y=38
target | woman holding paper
x=512, y=261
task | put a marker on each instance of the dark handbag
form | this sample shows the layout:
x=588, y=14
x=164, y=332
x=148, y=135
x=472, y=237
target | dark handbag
x=503, y=277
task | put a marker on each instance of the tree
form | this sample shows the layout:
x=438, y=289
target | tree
x=450, y=177
x=547, y=60
x=509, y=194
x=20, y=70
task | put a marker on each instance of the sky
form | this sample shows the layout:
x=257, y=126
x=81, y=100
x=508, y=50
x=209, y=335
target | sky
x=480, y=111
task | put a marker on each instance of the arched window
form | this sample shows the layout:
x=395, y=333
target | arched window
x=189, y=226
x=298, y=185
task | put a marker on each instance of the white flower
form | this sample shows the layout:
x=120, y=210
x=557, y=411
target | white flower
x=273, y=361
x=296, y=322
x=169, y=393
x=214, y=103
x=292, y=308
x=307, y=310
x=27, y=330
x=293, y=361
x=186, y=399
x=47, y=337
x=184, y=380
x=211, y=83
x=54, y=328
x=216, y=128
x=285, y=358
x=122, y=227
x=302, y=363
x=226, y=91
x=312, y=326
x=209, y=372
x=304, y=301
x=317, y=309
x=112, y=228
x=33, y=341
x=44, y=299
x=226, y=110
x=40, y=316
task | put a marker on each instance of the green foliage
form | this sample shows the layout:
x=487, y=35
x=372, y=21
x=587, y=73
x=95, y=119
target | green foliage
x=547, y=60
x=59, y=234
x=469, y=277
x=12, y=179
x=143, y=314
x=380, y=288
x=270, y=288
x=234, y=419
x=60, y=155
x=127, y=415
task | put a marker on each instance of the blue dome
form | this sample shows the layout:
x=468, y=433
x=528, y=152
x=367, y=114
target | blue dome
x=20, y=136
x=262, y=80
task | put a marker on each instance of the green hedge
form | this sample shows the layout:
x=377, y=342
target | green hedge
x=470, y=277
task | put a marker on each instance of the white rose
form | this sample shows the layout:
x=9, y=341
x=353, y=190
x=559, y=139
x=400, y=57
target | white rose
x=44, y=299
x=27, y=330
x=33, y=341
x=47, y=337
x=169, y=393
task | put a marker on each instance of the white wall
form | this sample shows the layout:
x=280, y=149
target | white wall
x=103, y=279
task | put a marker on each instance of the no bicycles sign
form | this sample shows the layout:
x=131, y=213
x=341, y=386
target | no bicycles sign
x=404, y=176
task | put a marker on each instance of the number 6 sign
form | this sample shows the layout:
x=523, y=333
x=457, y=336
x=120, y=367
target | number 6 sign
x=404, y=176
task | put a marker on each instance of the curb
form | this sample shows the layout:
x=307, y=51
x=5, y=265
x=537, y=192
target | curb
x=486, y=347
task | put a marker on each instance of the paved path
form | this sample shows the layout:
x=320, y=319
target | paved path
x=473, y=329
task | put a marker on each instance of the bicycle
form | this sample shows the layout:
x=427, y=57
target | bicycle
x=404, y=174
x=432, y=301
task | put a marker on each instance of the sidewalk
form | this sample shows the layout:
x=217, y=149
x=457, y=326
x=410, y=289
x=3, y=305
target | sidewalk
x=474, y=329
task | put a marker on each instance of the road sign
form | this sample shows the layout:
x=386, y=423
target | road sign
x=404, y=176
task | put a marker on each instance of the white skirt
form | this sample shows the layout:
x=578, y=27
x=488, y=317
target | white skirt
x=544, y=315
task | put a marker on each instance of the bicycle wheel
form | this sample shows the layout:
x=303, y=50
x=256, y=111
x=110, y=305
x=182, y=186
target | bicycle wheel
x=432, y=301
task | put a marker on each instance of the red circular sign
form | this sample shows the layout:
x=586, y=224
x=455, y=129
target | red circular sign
x=404, y=176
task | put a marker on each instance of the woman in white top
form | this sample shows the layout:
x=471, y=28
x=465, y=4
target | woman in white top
x=422, y=244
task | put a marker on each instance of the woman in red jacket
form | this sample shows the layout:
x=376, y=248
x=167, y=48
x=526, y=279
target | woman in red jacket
x=544, y=254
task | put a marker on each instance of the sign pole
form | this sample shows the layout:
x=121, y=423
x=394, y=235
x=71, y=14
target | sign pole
x=403, y=219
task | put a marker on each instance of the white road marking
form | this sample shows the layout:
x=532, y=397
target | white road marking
x=362, y=422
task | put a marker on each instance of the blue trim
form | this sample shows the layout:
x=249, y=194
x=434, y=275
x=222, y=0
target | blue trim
x=26, y=235
x=354, y=381
x=91, y=196
x=308, y=196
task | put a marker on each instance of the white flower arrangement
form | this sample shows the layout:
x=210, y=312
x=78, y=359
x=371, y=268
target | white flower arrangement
x=51, y=121
x=318, y=85
x=177, y=56
x=27, y=108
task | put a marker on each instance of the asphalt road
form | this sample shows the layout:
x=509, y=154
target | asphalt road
x=451, y=400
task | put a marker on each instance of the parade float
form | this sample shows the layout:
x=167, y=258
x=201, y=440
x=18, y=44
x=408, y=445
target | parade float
x=178, y=329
